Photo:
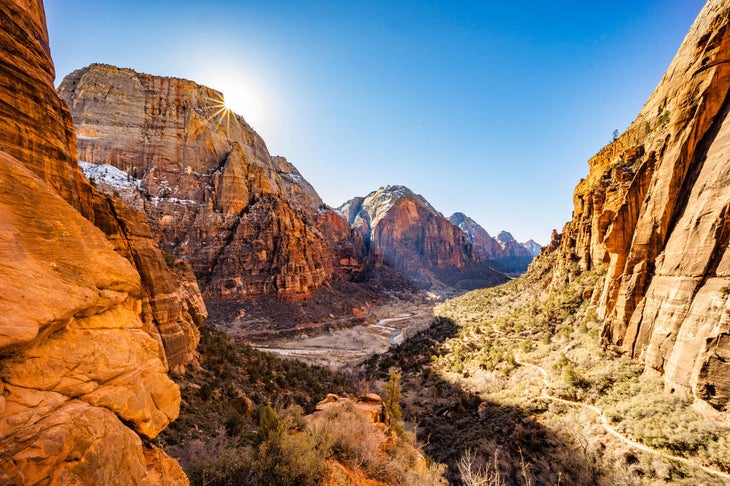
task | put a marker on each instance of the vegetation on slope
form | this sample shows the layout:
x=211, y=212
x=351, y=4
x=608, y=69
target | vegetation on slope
x=484, y=415
x=466, y=392
x=243, y=420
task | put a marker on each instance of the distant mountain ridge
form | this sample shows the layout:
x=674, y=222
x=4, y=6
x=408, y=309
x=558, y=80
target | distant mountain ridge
x=533, y=247
x=402, y=230
x=503, y=252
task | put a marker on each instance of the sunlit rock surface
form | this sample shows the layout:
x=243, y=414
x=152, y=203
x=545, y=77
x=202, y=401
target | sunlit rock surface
x=248, y=223
x=79, y=368
x=654, y=210
x=90, y=315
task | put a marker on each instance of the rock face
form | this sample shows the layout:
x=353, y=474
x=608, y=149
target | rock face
x=486, y=247
x=402, y=230
x=503, y=254
x=654, y=210
x=533, y=247
x=248, y=223
x=36, y=128
x=77, y=357
x=90, y=315
x=511, y=247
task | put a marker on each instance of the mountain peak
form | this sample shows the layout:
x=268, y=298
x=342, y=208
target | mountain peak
x=533, y=247
x=395, y=189
x=505, y=237
x=459, y=218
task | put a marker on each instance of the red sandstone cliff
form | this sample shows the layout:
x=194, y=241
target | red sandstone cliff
x=654, y=210
x=403, y=231
x=248, y=223
x=91, y=317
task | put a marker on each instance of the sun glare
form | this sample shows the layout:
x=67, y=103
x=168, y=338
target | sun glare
x=245, y=91
x=239, y=97
x=220, y=112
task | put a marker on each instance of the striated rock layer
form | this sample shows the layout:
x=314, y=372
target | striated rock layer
x=654, y=210
x=36, y=128
x=91, y=317
x=78, y=361
x=403, y=231
x=248, y=223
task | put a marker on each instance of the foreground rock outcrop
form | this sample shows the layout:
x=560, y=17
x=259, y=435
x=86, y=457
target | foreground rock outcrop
x=654, y=211
x=91, y=316
x=78, y=363
x=402, y=230
x=248, y=223
x=36, y=128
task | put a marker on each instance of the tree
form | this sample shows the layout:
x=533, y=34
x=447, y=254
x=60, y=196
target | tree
x=391, y=402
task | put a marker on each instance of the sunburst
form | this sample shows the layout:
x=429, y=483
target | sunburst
x=221, y=112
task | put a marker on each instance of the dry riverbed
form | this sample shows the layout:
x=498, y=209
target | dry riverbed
x=343, y=347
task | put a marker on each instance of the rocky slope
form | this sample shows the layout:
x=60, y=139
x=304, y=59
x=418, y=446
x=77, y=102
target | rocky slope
x=654, y=211
x=91, y=317
x=402, y=230
x=247, y=222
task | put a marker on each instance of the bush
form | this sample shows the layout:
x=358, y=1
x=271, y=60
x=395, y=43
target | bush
x=289, y=458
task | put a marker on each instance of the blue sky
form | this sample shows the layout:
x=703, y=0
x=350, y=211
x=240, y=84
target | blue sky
x=489, y=108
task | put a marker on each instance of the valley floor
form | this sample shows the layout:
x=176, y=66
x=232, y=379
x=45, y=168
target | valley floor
x=500, y=386
x=340, y=348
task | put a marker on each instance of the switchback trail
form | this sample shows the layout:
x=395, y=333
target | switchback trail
x=611, y=430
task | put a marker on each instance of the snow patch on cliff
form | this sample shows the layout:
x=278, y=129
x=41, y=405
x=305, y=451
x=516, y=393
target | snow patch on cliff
x=109, y=175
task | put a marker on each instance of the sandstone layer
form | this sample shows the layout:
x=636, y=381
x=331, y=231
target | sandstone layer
x=248, y=223
x=654, y=211
x=91, y=317
x=78, y=363
x=402, y=230
x=37, y=129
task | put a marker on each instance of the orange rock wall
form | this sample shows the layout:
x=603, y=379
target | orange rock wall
x=247, y=222
x=90, y=320
x=654, y=211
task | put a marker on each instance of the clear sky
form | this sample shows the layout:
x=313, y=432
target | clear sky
x=491, y=108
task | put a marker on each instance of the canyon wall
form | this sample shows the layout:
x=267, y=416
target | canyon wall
x=248, y=223
x=654, y=212
x=36, y=128
x=91, y=316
